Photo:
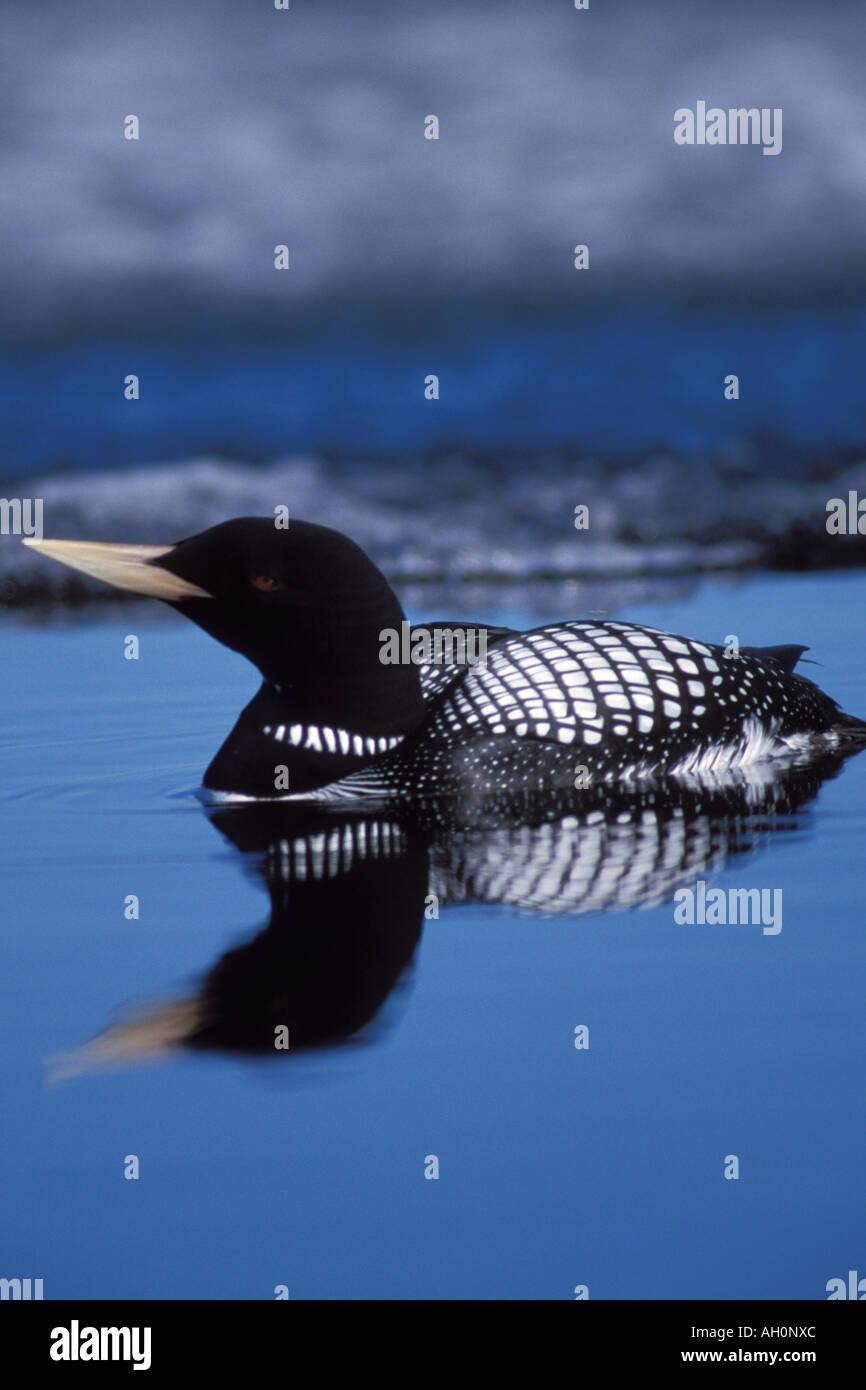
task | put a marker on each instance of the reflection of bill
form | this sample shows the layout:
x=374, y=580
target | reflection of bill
x=349, y=894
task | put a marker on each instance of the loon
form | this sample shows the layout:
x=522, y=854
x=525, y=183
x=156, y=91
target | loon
x=334, y=721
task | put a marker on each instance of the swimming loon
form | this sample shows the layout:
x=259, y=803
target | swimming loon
x=542, y=710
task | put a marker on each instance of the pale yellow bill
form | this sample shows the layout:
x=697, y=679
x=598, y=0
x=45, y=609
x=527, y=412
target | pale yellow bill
x=124, y=566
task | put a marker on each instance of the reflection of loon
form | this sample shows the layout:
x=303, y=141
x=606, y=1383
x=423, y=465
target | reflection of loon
x=349, y=894
x=312, y=612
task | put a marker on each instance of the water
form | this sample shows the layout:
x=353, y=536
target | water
x=558, y=1166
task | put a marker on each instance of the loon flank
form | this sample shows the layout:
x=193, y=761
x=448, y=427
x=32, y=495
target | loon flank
x=341, y=720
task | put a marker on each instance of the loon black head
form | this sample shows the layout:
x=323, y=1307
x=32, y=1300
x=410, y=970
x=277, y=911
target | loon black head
x=304, y=604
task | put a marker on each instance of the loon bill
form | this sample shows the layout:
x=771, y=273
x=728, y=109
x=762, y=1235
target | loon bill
x=335, y=719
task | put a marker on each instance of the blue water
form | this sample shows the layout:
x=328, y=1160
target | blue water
x=558, y=1167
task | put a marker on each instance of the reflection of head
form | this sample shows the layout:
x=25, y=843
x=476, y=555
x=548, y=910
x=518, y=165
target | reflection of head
x=348, y=895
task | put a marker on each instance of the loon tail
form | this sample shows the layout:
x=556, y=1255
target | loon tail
x=786, y=657
x=850, y=730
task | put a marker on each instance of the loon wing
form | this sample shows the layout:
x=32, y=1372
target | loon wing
x=435, y=677
x=635, y=698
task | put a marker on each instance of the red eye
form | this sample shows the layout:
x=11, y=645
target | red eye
x=265, y=581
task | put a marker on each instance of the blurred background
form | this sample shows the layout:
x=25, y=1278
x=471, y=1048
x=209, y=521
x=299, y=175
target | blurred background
x=452, y=256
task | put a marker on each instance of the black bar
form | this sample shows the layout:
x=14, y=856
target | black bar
x=224, y=1337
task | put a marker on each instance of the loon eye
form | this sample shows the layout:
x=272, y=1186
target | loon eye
x=265, y=581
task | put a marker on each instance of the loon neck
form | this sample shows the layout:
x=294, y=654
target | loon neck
x=277, y=749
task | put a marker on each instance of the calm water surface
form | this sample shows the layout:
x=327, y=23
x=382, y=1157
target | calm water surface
x=557, y=1166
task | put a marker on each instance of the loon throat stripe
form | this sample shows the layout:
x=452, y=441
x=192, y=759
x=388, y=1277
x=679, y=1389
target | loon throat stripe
x=125, y=566
x=313, y=736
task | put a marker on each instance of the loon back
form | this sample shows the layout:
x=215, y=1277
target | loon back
x=613, y=700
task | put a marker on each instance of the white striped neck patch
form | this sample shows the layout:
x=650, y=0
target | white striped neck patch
x=320, y=738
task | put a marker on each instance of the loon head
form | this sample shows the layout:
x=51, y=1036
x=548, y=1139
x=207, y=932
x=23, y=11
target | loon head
x=304, y=604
